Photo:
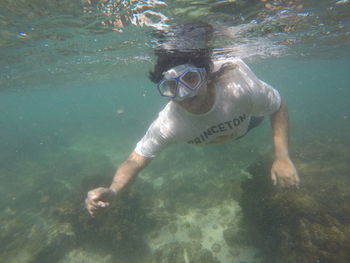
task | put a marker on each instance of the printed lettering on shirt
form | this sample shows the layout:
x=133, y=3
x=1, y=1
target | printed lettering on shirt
x=221, y=127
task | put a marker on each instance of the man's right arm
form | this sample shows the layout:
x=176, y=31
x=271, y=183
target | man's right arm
x=100, y=198
x=128, y=171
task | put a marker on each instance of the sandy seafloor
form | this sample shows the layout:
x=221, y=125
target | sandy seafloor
x=52, y=142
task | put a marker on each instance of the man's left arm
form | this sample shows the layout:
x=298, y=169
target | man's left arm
x=283, y=172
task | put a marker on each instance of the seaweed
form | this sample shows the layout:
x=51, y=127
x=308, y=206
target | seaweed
x=310, y=224
x=120, y=229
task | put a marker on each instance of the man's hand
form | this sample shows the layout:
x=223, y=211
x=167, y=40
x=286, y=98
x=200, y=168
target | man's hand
x=98, y=199
x=283, y=173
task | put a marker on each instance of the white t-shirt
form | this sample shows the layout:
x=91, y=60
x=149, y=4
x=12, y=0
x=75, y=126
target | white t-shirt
x=239, y=95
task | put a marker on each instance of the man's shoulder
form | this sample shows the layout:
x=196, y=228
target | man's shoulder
x=169, y=111
x=167, y=118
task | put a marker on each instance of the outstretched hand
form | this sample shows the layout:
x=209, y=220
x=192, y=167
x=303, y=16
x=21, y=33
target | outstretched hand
x=98, y=199
x=284, y=174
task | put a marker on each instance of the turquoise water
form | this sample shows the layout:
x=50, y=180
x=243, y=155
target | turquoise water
x=76, y=98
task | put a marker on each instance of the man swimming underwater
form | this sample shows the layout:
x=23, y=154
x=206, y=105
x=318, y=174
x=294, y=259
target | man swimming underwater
x=209, y=102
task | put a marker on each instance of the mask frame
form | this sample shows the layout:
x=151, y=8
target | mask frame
x=175, y=86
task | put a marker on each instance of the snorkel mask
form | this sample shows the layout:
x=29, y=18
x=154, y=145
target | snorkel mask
x=182, y=82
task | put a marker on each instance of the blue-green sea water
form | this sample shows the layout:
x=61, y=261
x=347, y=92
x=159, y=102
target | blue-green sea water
x=75, y=98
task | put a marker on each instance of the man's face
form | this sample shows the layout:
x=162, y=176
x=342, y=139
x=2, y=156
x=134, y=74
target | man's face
x=182, y=82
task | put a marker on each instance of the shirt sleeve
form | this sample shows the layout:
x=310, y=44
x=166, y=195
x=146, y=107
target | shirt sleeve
x=265, y=100
x=153, y=142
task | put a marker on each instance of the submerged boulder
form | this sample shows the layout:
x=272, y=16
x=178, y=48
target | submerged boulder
x=119, y=230
x=310, y=224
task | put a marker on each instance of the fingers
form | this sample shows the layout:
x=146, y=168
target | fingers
x=274, y=178
x=94, y=207
x=93, y=202
x=102, y=204
x=288, y=181
x=90, y=208
x=284, y=174
x=282, y=182
x=285, y=181
x=278, y=180
x=293, y=180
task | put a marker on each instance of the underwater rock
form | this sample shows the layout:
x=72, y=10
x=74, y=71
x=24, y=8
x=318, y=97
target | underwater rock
x=235, y=236
x=194, y=232
x=183, y=252
x=230, y=236
x=120, y=228
x=216, y=248
x=173, y=228
x=59, y=239
x=35, y=240
x=181, y=191
x=80, y=255
x=306, y=225
x=13, y=232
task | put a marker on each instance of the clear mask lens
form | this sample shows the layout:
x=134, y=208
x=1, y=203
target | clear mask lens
x=168, y=88
x=184, y=92
x=191, y=79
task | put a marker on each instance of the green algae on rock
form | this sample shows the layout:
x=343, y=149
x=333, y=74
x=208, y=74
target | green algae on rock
x=236, y=236
x=306, y=225
x=121, y=228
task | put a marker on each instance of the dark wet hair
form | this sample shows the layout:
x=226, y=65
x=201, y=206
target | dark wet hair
x=167, y=59
x=183, y=44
